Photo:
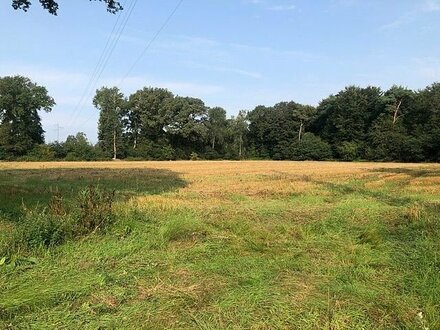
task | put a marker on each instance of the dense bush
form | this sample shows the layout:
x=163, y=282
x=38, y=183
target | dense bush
x=348, y=151
x=40, y=152
x=311, y=147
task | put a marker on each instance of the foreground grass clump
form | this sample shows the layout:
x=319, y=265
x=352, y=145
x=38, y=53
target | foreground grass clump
x=181, y=227
x=245, y=245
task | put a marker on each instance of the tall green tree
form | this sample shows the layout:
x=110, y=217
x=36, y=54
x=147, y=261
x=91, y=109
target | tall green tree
x=398, y=102
x=344, y=119
x=274, y=129
x=78, y=147
x=425, y=121
x=388, y=137
x=146, y=119
x=304, y=114
x=240, y=130
x=147, y=115
x=186, y=127
x=111, y=104
x=20, y=122
x=217, y=125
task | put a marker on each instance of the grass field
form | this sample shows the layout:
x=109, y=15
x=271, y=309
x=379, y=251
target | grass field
x=230, y=245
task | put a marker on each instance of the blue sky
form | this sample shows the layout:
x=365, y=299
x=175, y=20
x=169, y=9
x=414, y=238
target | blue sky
x=231, y=53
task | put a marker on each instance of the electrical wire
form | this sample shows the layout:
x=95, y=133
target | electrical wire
x=104, y=59
x=144, y=51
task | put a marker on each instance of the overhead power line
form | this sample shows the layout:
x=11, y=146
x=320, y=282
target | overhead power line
x=95, y=70
x=103, y=60
x=144, y=51
x=155, y=36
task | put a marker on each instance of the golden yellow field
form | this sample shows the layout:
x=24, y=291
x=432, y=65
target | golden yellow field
x=260, y=179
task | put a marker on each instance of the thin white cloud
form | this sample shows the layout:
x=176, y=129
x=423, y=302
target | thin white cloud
x=45, y=76
x=254, y=2
x=226, y=51
x=184, y=88
x=400, y=21
x=428, y=68
x=285, y=53
x=431, y=5
x=267, y=5
x=240, y=72
x=421, y=8
x=282, y=8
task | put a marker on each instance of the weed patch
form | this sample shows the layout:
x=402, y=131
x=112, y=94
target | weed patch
x=182, y=227
x=47, y=227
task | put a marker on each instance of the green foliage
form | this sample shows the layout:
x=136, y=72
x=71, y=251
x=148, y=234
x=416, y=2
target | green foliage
x=41, y=152
x=51, y=6
x=111, y=105
x=147, y=150
x=94, y=210
x=20, y=123
x=311, y=147
x=348, y=151
x=154, y=124
x=79, y=148
x=194, y=156
x=388, y=142
x=217, y=127
x=40, y=228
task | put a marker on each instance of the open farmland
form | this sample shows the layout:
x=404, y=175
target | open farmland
x=218, y=245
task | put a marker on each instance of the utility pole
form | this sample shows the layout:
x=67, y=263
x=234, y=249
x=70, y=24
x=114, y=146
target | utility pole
x=115, y=153
x=114, y=144
x=114, y=128
x=57, y=129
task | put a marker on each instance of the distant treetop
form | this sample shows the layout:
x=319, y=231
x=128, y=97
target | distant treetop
x=52, y=6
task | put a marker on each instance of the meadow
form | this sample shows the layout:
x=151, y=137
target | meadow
x=225, y=245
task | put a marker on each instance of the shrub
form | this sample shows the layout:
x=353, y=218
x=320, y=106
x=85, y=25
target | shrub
x=39, y=228
x=94, y=210
x=40, y=152
x=348, y=151
x=166, y=153
x=194, y=156
x=311, y=147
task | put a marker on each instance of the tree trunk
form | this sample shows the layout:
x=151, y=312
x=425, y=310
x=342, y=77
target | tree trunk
x=114, y=145
x=396, y=112
x=213, y=143
x=135, y=139
x=300, y=131
x=240, y=146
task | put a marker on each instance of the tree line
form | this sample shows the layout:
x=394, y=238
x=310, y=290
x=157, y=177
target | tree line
x=154, y=124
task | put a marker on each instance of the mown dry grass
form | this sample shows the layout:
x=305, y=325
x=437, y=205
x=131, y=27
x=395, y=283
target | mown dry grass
x=235, y=245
